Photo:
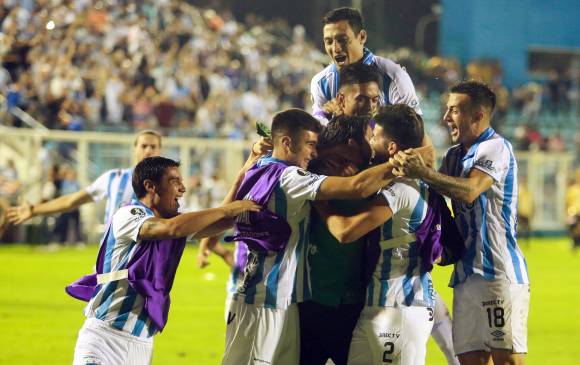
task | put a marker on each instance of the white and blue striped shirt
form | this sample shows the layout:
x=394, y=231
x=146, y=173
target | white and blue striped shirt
x=115, y=302
x=398, y=278
x=277, y=279
x=488, y=225
x=397, y=85
x=114, y=186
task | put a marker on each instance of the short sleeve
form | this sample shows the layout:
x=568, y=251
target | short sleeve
x=318, y=101
x=299, y=184
x=127, y=222
x=492, y=157
x=98, y=189
x=398, y=196
x=402, y=90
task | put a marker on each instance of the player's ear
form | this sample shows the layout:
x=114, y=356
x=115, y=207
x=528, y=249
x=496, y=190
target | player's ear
x=362, y=36
x=286, y=142
x=149, y=186
x=392, y=148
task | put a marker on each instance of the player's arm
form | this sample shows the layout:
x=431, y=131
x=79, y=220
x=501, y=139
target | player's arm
x=363, y=184
x=350, y=228
x=211, y=244
x=193, y=224
x=464, y=189
x=22, y=213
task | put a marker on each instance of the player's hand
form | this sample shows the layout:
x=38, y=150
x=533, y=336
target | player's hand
x=262, y=147
x=332, y=107
x=20, y=214
x=408, y=163
x=238, y=207
x=203, y=258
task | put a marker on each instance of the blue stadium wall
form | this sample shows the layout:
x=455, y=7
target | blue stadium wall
x=506, y=29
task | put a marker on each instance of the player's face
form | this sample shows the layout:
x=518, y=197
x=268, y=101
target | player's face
x=359, y=99
x=459, y=119
x=147, y=145
x=168, y=192
x=303, y=150
x=341, y=44
x=381, y=145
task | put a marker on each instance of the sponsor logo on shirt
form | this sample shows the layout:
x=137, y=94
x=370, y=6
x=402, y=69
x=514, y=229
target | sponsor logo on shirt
x=486, y=164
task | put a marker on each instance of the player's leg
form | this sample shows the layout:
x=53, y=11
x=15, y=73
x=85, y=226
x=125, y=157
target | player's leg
x=468, y=336
x=314, y=323
x=366, y=347
x=342, y=325
x=99, y=344
x=257, y=334
x=517, y=320
x=442, y=330
x=416, y=327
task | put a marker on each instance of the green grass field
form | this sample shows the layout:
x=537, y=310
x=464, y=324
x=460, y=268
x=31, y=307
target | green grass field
x=39, y=322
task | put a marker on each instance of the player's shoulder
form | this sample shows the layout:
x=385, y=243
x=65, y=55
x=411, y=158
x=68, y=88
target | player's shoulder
x=325, y=73
x=131, y=211
x=495, y=144
x=388, y=66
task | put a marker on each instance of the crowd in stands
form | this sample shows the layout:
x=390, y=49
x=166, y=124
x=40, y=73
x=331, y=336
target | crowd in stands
x=125, y=65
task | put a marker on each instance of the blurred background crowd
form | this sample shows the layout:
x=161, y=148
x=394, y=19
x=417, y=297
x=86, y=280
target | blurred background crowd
x=199, y=71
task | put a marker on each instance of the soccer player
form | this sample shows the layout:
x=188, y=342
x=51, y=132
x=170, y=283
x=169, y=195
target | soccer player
x=262, y=321
x=335, y=271
x=394, y=326
x=491, y=288
x=344, y=41
x=128, y=296
x=114, y=186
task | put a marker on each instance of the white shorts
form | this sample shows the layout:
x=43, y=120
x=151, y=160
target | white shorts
x=258, y=335
x=490, y=314
x=391, y=335
x=100, y=344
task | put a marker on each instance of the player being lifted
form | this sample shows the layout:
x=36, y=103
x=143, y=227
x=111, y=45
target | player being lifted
x=344, y=39
x=491, y=287
x=113, y=185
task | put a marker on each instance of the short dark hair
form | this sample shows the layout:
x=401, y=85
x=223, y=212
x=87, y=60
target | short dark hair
x=292, y=122
x=479, y=93
x=150, y=168
x=342, y=128
x=352, y=15
x=358, y=73
x=401, y=123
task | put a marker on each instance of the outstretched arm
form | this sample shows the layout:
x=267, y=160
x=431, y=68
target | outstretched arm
x=195, y=224
x=350, y=228
x=22, y=213
x=464, y=189
x=363, y=184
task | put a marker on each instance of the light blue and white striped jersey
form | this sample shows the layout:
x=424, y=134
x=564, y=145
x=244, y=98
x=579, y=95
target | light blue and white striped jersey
x=398, y=278
x=276, y=279
x=488, y=225
x=115, y=302
x=114, y=186
x=237, y=271
x=397, y=85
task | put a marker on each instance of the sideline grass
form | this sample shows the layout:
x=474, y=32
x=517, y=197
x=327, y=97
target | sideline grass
x=40, y=322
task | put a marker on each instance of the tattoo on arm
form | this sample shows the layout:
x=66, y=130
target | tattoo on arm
x=453, y=187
